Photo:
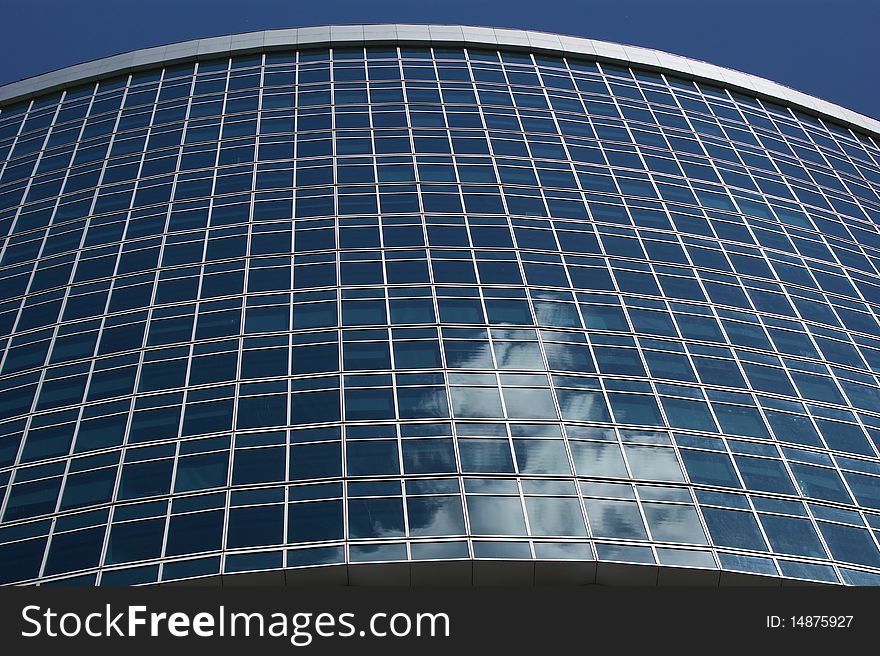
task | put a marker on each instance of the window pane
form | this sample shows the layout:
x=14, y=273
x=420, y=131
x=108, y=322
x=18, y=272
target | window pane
x=674, y=523
x=653, y=463
x=731, y=528
x=790, y=535
x=375, y=518
x=549, y=516
x=496, y=515
x=615, y=519
x=430, y=516
x=598, y=459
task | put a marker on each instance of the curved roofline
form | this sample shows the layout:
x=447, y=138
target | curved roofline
x=446, y=35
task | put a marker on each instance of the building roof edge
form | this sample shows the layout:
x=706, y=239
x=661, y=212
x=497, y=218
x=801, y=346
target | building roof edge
x=448, y=35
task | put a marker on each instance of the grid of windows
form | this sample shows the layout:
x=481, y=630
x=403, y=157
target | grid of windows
x=361, y=304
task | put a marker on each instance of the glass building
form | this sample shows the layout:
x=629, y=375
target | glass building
x=410, y=304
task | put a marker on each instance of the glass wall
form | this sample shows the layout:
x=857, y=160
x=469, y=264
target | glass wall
x=381, y=303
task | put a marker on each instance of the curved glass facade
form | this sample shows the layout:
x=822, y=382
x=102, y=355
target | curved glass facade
x=382, y=303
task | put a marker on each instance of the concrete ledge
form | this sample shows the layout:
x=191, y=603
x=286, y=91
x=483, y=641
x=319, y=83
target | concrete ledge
x=494, y=573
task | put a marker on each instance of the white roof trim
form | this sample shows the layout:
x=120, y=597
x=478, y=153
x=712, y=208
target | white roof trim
x=339, y=35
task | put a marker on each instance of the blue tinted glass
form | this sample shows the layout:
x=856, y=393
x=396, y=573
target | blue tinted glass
x=709, y=468
x=422, y=402
x=619, y=519
x=476, y=402
x=731, y=528
x=820, y=483
x=21, y=560
x=416, y=355
x=569, y=357
x=258, y=525
x=489, y=455
x=194, y=533
x=315, y=521
x=764, y=474
x=258, y=466
x=312, y=407
x=89, y=488
x=685, y=413
x=492, y=515
x=133, y=541
x=428, y=456
x=598, y=459
x=552, y=516
x=790, y=535
x=850, y=544
x=145, y=479
x=372, y=518
x=865, y=489
x=435, y=516
x=321, y=460
x=369, y=404
x=529, y=403
x=468, y=355
x=366, y=355
x=673, y=523
x=580, y=405
x=541, y=457
x=635, y=409
x=73, y=551
x=458, y=271
x=372, y=458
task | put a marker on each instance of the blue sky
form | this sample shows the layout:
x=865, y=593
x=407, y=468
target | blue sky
x=828, y=49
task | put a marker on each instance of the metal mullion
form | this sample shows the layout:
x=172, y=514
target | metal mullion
x=73, y=153
x=222, y=119
x=497, y=376
x=243, y=311
x=374, y=156
x=859, y=509
x=552, y=113
x=114, y=497
x=156, y=274
x=121, y=244
x=830, y=559
x=692, y=490
x=197, y=301
x=34, y=263
x=53, y=521
x=770, y=553
x=652, y=542
x=28, y=419
x=813, y=342
x=384, y=287
x=452, y=156
x=508, y=218
x=340, y=376
x=422, y=219
x=46, y=365
x=166, y=529
x=124, y=447
x=27, y=185
x=570, y=162
x=110, y=143
x=436, y=308
x=522, y=504
x=565, y=441
x=259, y=120
x=15, y=137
